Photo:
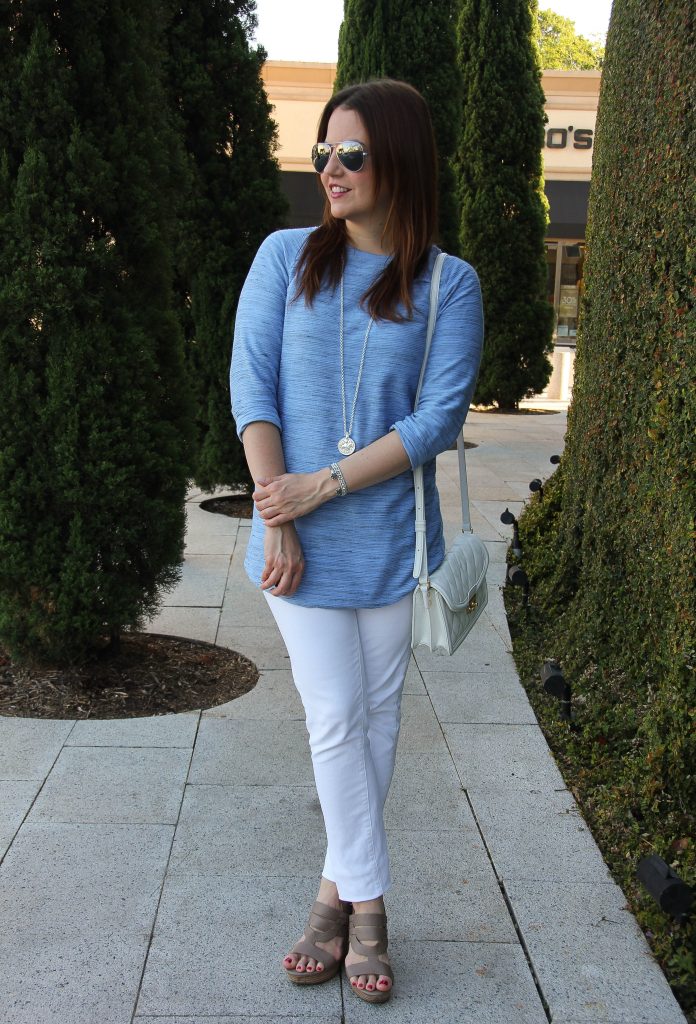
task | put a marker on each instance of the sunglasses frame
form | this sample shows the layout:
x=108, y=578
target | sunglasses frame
x=337, y=147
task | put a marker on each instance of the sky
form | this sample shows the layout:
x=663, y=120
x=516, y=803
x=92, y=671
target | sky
x=308, y=29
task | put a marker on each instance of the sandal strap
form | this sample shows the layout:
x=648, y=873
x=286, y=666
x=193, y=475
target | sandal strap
x=370, y=966
x=324, y=924
x=309, y=949
x=369, y=927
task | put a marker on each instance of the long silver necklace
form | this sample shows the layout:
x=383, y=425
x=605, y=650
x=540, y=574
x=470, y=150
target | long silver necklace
x=346, y=445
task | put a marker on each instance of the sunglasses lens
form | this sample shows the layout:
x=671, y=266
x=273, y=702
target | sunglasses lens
x=321, y=154
x=351, y=155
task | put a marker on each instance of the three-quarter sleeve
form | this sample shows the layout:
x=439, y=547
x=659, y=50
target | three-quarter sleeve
x=452, y=368
x=258, y=336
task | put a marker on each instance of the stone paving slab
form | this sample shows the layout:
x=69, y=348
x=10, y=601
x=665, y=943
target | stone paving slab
x=502, y=756
x=472, y=912
x=244, y=608
x=420, y=730
x=413, y=683
x=430, y=858
x=30, y=746
x=532, y=832
x=592, y=960
x=479, y=697
x=262, y=644
x=176, y=730
x=491, y=510
x=455, y=983
x=426, y=794
x=273, y=697
x=481, y=651
x=218, y=946
x=209, y=533
x=114, y=784
x=193, y=623
x=243, y=1019
x=79, y=928
x=232, y=752
x=202, y=583
x=15, y=800
x=249, y=830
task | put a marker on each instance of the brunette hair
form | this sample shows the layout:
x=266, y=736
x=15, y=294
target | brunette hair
x=403, y=152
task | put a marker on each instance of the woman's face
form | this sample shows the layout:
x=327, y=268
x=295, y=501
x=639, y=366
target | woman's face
x=351, y=193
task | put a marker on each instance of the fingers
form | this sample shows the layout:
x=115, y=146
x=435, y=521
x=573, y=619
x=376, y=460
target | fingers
x=283, y=580
x=274, y=518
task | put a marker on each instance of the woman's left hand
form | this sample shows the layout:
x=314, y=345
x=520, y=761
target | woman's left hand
x=280, y=499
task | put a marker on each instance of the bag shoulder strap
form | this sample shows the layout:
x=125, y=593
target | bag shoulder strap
x=420, y=565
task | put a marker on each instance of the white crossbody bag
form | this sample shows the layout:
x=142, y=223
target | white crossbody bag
x=446, y=604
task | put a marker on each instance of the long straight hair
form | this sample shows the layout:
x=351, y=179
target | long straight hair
x=404, y=156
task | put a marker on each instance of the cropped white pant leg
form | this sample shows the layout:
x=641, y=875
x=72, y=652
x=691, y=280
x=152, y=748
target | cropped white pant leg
x=349, y=665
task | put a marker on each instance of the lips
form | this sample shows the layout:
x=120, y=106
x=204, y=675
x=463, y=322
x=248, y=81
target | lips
x=338, y=190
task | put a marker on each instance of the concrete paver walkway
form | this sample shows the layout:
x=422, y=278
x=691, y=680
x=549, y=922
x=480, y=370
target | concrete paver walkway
x=156, y=870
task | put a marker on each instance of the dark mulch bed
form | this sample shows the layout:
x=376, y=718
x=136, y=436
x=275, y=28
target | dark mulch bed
x=152, y=675
x=238, y=505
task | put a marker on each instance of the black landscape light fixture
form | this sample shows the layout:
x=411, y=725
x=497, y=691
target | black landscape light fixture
x=555, y=683
x=508, y=518
x=666, y=887
x=518, y=578
x=536, y=485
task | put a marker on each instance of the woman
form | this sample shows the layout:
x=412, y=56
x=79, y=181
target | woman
x=329, y=342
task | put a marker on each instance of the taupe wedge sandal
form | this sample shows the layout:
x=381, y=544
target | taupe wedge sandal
x=369, y=928
x=324, y=924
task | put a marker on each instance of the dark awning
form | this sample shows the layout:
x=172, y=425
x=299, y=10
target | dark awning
x=567, y=199
x=568, y=203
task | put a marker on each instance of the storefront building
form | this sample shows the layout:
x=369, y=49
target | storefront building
x=298, y=92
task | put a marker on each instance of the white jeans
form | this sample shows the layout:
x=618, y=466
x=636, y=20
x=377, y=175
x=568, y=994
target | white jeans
x=349, y=665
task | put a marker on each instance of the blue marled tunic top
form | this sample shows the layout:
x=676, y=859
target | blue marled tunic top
x=286, y=370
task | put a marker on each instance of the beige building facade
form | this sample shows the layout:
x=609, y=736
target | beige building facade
x=298, y=92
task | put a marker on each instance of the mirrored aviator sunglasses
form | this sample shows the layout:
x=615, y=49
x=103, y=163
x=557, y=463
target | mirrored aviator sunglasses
x=351, y=154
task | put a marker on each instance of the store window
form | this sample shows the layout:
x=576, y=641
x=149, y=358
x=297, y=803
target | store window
x=564, y=284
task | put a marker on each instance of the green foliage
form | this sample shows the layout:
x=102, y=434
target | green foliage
x=560, y=46
x=610, y=551
x=233, y=202
x=94, y=449
x=415, y=43
x=504, y=207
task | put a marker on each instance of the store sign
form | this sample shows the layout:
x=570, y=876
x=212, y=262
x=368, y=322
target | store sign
x=568, y=301
x=560, y=138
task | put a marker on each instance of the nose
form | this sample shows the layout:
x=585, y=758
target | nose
x=334, y=164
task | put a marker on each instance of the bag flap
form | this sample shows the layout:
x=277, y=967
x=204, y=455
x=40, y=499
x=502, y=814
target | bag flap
x=462, y=572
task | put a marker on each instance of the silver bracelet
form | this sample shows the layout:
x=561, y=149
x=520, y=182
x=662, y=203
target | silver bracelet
x=338, y=476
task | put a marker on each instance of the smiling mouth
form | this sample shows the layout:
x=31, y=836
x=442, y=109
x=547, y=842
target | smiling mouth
x=336, y=191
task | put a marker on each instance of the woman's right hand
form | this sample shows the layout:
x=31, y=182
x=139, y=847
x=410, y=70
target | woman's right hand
x=284, y=560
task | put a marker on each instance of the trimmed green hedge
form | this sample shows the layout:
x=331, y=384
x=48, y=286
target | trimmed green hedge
x=609, y=550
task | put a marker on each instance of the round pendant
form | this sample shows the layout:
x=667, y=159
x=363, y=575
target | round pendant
x=346, y=445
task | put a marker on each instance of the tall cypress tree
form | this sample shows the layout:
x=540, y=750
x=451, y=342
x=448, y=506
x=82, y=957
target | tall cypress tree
x=94, y=455
x=504, y=208
x=416, y=43
x=215, y=83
